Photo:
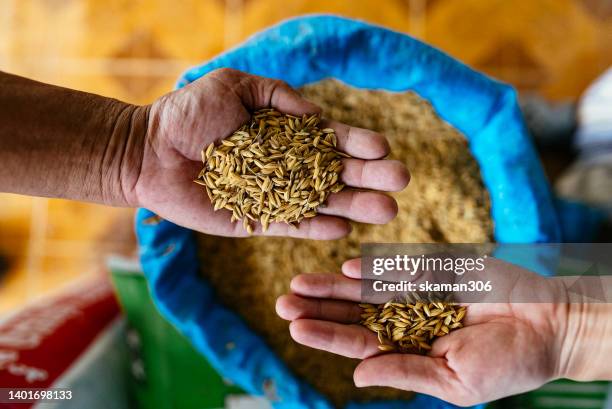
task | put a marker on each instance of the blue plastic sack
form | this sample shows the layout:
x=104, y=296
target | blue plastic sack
x=309, y=49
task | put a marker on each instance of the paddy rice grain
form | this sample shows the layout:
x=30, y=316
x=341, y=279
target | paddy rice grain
x=407, y=327
x=276, y=168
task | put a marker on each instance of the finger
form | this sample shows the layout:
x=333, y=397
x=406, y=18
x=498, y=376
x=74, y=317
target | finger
x=364, y=207
x=443, y=346
x=291, y=307
x=332, y=286
x=416, y=373
x=335, y=286
x=359, y=142
x=278, y=94
x=385, y=175
x=362, y=268
x=352, y=268
x=353, y=341
x=478, y=313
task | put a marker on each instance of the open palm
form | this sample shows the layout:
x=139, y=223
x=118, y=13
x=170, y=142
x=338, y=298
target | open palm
x=504, y=348
x=187, y=120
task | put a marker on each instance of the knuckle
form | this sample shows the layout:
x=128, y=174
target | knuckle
x=225, y=72
x=280, y=84
x=333, y=288
x=318, y=310
x=360, y=346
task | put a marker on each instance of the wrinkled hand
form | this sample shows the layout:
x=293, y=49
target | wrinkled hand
x=187, y=120
x=504, y=349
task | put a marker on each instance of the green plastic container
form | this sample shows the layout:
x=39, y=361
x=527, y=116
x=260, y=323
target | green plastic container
x=167, y=372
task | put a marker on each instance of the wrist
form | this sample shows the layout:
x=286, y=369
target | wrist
x=125, y=150
x=587, y=343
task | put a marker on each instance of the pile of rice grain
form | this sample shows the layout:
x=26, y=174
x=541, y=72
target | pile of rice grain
x=445, y=202
x=277, y=168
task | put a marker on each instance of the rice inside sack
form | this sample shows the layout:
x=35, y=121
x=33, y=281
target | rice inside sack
x=445, y=202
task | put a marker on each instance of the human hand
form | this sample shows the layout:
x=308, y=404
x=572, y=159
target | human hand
x=185, y=121
x=504, y=348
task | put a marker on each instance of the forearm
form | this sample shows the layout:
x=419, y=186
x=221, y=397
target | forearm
x=57, y=142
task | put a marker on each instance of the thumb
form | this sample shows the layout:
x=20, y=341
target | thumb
x=422, y=374
x=268, y=92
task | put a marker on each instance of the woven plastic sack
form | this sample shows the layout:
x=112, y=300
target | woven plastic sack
x=309, y=49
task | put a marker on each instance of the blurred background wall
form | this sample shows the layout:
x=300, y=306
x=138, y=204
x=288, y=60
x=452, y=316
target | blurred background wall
x=135, y=49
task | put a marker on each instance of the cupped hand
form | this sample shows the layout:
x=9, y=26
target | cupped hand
x=504, y=348
x=185, y=121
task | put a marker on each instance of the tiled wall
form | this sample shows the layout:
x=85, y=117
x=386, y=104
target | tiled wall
x=135, y=49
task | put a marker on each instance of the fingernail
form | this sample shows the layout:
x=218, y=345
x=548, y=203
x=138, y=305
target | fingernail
x=294, y=284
